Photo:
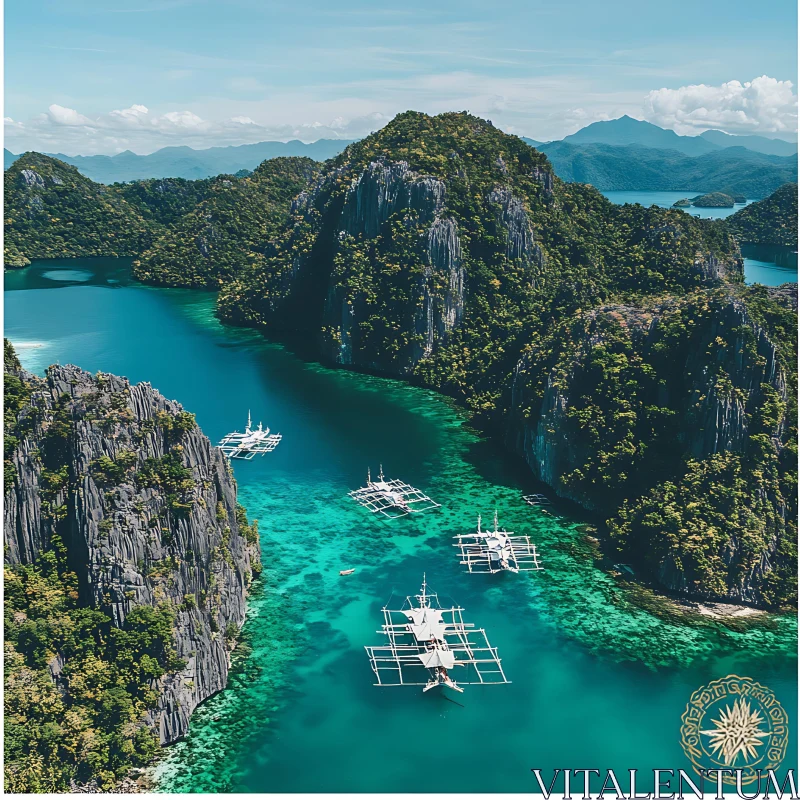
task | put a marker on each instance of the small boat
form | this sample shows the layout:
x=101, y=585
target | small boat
x=536, y=499
x=392, y=498
x=246, y=445
x=426, y=642
x=346, y=571
x=497, y=550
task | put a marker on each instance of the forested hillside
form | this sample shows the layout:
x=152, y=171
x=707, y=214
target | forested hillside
x=185, y=232
x=770, y=221
x=633, y=167
x=228, y=229
x=52, y=211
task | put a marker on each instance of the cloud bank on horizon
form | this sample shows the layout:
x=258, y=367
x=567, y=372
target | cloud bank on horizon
x=763, y=105
x=66, y=130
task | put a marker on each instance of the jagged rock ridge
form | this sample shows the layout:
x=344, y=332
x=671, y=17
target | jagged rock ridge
x=132, y=538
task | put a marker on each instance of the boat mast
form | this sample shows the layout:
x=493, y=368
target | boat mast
x=423, y=597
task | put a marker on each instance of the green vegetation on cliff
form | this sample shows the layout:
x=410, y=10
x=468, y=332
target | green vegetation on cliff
x=52, y=211
x=531, y=249
x=229, y=229
x=76, y=687
x=714, y=200
x=185, y=233
x=769, y=221
x=673, y=414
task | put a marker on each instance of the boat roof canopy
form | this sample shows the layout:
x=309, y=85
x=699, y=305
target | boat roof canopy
x=438, y=658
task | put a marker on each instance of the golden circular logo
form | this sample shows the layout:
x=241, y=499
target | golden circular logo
x=734, y=723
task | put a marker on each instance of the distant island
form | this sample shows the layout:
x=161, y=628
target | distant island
x=711, y=200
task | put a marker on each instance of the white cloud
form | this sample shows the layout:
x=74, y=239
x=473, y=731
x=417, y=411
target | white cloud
x=66, y=130
x=59, y=115
x=763, y=105
x=135, y=116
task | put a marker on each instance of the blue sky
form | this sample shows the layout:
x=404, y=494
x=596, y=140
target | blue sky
x=87, y=76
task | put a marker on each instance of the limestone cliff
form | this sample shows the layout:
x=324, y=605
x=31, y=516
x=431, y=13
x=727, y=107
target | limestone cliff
x=146, y=509
x=635, y=394
x=435, y=301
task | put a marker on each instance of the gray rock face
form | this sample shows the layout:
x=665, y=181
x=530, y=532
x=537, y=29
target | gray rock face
x=730, y=366
x=31, y=178
x=717, y=416
x=544, y=177
x=442, y=308
x=124, y=543
x=381, y=190
x=543, y=437
x=521, y=242
x=721, y=415
x=712, y=270
x=384, y=188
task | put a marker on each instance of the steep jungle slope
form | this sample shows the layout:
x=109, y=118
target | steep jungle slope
x=439, y=246
x=52, y=211
x=678, y=420
x=229, y=229
x=163, y=201
x=184, y=233
x=127, y=564
x=770, y=221
x=442, y=250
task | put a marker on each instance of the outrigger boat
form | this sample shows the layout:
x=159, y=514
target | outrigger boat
x=497, y=550
x=426, y=641
x=391, y=498
x=246, y=445
x=536, y=499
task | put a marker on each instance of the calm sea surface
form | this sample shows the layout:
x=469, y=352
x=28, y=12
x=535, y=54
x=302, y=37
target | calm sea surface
x=597, y=681
x=761, y=269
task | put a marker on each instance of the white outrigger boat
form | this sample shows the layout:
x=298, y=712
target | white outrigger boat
x=426, y=641
x=497, y=550
x=536, y=499
x=250, y=443
x=391, y=498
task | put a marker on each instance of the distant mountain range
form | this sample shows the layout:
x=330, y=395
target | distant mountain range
x=626, y=130
x=184, y=162
x=619, y=154
x=734, y=170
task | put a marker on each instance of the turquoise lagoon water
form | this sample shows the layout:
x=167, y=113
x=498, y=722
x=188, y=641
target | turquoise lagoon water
x=596, y=680
x=762, y=268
